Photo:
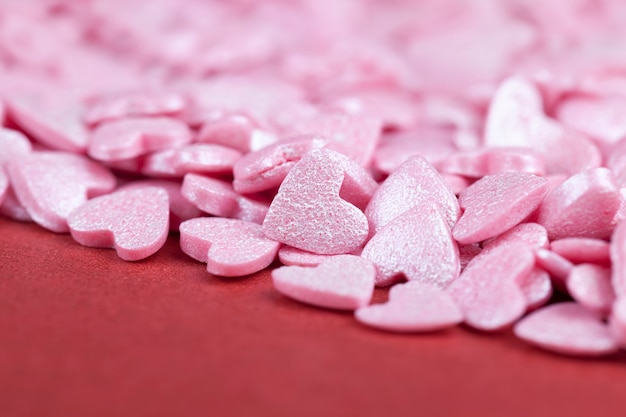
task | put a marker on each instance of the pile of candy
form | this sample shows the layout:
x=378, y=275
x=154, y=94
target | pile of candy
x=476, y=149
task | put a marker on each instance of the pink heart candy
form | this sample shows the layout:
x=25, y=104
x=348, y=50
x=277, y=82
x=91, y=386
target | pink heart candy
x=230, y=247
x=533, y=235
x=197, y=158
x=496, y=203
x=583, y=250
x=590, y=286
x=488, y=292
x=567, y=328
x=416, y=245
x=131, y=137
x=414, y=183
x=236, y=131
x=343, y=282
x=516, y=119
x=13, y=144
x=134, y=222
x=412, y=307
x=267, y=168
x=50, y=185
x=133, y=104
x=585, y=205
x=293, y=256
x=536, y=287
x=309, y=213
x=218, y=198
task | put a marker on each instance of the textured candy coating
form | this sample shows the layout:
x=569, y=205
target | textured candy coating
x=567, y=328
x=516, y=118
x=343, y=282
x=50, y=185
x=488, y=291
x=268, y=167
x=412, y=307
x=308, y=212
x=533, y=235
x=218, y=198
x=293, y=256
x=590, y=285
x=496, y=203
x=197, y=158
x=134, y=222
x=413, y=184
x=580, y=250
x=536, y=287
x=236, y=131
x=13, y=209
x=180, y=208
x=230, y=247
x=416, y=245
x=13, y=144
x=131, y=137
x=618, y=260
x=584, y=205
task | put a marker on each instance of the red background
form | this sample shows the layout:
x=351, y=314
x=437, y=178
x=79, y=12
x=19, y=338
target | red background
x=83, y=333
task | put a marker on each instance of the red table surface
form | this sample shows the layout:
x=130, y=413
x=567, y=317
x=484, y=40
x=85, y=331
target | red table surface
x=83, y=333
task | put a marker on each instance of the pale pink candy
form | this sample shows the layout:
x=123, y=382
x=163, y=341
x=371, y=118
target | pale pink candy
x=617, y=321
x=616, y=161
x=536, y=287
x=412, y=307
x=490, y=161
x=488, y=291
x=600, y=118
x=434, y=143
x=13, y=209
x=533, y=235
x=235, y=131
x=343, y=282
x=590, y=285
x=180, y=208
x=197, y=158
x=298, y=257
x=557, y=266
x=50, y=185
x=354, y=136
x=583, y=250
x=414, y=183
x=267, y=168
x=567, y=328
x=416, y=245
x=57, y=125
x=230, y=247
x=133, y=104
x=13, y=144
x=496, y=203
x=585, y=205
x=131, y=137
x=309, y=212
x=134, y=222
x=218, y=198
x=457, y=183
x=618, y=260
x=516, y=119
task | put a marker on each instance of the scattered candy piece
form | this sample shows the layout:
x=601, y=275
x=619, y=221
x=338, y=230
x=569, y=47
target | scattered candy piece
x=618, y=260
x=581, y=250
x=136, y=136
x=414, y=183
x=50, y=185
x=343, y=282
x=590, y=286
x=488, y=291
x=416, y=245
x=557, y=266
x=293, y=256
x=218, y=198
x=196, y=158
x=536, y=287
x=308, y=212
x=565, y=210
x=412, y=307
x=133, y=104
x=496, y=203
x=490, y=161
x=569, y=329
x=134, y=222
x=230, y=247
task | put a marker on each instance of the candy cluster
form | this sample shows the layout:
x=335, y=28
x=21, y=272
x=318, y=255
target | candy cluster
x=469, y=154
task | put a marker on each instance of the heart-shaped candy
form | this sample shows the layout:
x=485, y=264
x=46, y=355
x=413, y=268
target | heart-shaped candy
x=230, y=247
x=50, y=185
x=308, y=212
x=567, y=328
x=198, y=158
x=416, y=245
x=344, y=282
x=135, y=222
x=413, y=307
